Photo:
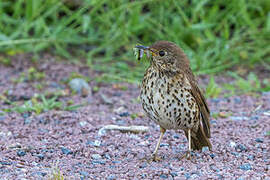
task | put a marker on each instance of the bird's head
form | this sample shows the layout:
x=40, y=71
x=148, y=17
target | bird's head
x=166, y=56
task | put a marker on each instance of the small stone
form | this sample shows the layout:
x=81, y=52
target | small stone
x=235, y=154
x=25, y=115
x=250, y=157
x=116, y=162
x=83, y=123
x=238, y=118
x=41, y=173
x=21, y=153
x=259, y=140
x=66, y=151
x=119, y=110
x=102, y=132
x=124, y=114
x=84, y=173
x=2, y=118
x=232, y=144
x=27, y=120
x=107, y=156
x=144, y=165
x=120, y=122
x=5, y=163
x=176, y=136
x=96, y=156
x=164, y=144
x=214, y=168
x=237, y=100
x=105, y=99
x=174, y=174
x=163, y=176
x=187, y=175
x=79, y=86
x=205, y=149
x=212, y=155
x=41, y=156
x=98, y=162
x=241, y=148
x=246, y=167
x=96, y=143
x=111, y=177
x=213, y=122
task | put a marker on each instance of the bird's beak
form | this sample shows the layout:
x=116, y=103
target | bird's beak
x=153, y=51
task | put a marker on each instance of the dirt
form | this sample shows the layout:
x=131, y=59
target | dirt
x=32, y=146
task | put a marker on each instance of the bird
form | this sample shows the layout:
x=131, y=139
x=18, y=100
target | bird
x=170, y=96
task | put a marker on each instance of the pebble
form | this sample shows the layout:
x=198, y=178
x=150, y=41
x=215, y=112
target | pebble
x=174, y=174
x=235, y=154
x=164, y=144
x=241, y=148
x=246, y=167
x=116, y=162
x=27, y=121
x=21, y=153
x=96, y=156
x=163, y=176
x=120, y=122
x=205, y=149
x=98, y=162
x=83, y=123
x=96, y=143
x=41, y=173
x=124, y=114
x=143, y=165
x=66, y=151
x=238, y=118
x=259, y=140
x=232, y=144
x=107, y=156
x=2, y=118
x=105, y=99
x=187, y=175
x=214, y=168
x=79, y=85
x=5, y=163
x=41, y=156
x=213, y=122
x=250, y=157
x=111, y=177
x=176, y=136
x=212, y=155
x=84, y=173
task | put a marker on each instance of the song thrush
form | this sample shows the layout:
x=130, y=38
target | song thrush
x=171, y=97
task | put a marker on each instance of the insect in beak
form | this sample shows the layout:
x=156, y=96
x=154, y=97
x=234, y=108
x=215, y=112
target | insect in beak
x=140, y=49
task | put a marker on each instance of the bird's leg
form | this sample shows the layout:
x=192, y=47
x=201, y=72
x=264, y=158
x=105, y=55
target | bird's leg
x=189, y=144
x=155, y=158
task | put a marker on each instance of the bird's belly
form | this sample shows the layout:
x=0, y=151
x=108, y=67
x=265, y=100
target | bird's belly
x=172, y=108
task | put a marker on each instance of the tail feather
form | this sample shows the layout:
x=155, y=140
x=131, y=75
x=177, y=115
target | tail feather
x=199, y=139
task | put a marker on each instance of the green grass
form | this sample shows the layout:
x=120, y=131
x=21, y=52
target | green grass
x=215, y=35
x=39, y=104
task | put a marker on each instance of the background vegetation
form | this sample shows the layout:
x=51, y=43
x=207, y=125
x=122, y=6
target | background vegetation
x=216, y=35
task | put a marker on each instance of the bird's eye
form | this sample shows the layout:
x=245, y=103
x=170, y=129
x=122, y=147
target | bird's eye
x=161, y=53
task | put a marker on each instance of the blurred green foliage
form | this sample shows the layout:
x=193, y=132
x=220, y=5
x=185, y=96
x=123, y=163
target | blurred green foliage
x=215, y=35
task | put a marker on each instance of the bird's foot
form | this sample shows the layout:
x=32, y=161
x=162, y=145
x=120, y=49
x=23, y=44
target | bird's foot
x=154, y=158
x=187, y=155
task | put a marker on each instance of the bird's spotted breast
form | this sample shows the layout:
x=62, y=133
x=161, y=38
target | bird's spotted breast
x=168, y=100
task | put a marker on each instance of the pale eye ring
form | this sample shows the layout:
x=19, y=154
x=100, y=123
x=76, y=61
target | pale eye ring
x=161, y=53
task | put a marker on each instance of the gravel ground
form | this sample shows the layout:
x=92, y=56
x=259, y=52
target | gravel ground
x=32, y=145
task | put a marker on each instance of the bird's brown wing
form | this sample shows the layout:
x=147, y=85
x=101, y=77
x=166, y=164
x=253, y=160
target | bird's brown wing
x=199, y=98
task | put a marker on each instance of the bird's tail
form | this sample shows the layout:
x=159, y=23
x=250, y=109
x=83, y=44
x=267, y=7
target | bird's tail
x=199, y=139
